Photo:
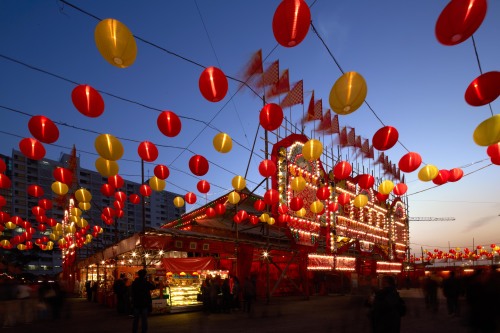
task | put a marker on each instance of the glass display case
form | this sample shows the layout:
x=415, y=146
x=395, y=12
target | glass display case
x=183, y=290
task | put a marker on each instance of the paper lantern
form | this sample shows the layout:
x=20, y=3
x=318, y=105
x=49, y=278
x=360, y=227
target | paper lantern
x=51, y=222
x=220, y=209
x=385, y=138
x=147, y=151
x=5, y=181
x=323, y=193
x=59, y=188
x=35, y=191
x=42, y=227
x=267, y=168
x=442, y=177
x=222, y=143
x=296, y=203
x=75, y=211
x=83, y=195
x=115, y=42
x=3, y=166
x=488, y=132
x=121, y=196
x=254, y=220
x=271, y=220
x=210, y=212
x=298, y=183
x=119, y=213
x=316, y=206
x=146, y=190
x=333, y=206
x=4, y=217
x=3, y=202
x=106, y=167
x=342, y=170
x=233, y=197
x=483, y=90
x=344, y=199
x=107, y=190
x=37, y=210
x=203, y=186
x=87, y=101
x=271, y=197
x=264, y=217
x=427, y=173
x=116, y=181
x=108, y=212
x=271, y=117
x=238, y=183
x=63, y=175
x=178, y=202
x=410, y=162
x=118, y=204
x=493, y=150
x=161, y=171
x=283, y=209
x=157, y=184
x=198, y=165
x=400, y=189
x=381, y=197
x=242, y=216
x=169, y=124
x=459, y=20
x=10, y=225
x=312, y=150
x=360, y=200
x=84, y=205
x=190, y=198
x=32, y=148
x=259, y=205
x=455, y=174
x=291, y=22
x=301, y=212
x=495, y=160
x=108, y=147
x=134, y=199
x=366, y=181
x=348, y=93
x=43, y=129
x=213, y=84
x=386, y=187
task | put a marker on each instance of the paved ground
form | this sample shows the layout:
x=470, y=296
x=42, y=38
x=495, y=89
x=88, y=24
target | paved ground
x=333, y=313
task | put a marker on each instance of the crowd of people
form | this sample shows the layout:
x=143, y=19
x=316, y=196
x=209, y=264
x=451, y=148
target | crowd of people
x=225, y=295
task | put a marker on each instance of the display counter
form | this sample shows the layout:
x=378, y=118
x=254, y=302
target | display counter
x=183, y=290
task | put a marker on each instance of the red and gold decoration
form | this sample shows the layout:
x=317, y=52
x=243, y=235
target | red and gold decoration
x=213, y=84
x=291, y=22
x=115, y=42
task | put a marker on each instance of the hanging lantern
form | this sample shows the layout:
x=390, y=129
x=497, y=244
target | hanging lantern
x=107, y=190
x=296, y=203
x=238, y=183
x=222, y=143
x=59, y=188
x=348, y=93
x=298, y=184
x=115, y=42
x=301, y=212
x=400, y=189
x=157, y=184
x=210, y=212
x=38, y=211
x=3, y=202
x=10, y=225
x=267, y=168
x=344, y=199
x=161, y=171
x=35, y=191
x=264, y=217
x=203, y=186
x=271, y=197
x=63, y=175
x=3, y=166
x=5, y=181
x=145, y=190
x=483, y=90
x=259, y=205
x=333, y=206
x=323, y=193
x=147, y=151
x=83, y=195
x=455, y=174
x=32, y=148
x=220, y=209
x=120, y=196
x=366, y=181
x=134, y=199
x=386, y=187
x=493, y=150
x=108, y=212
x=108, y=147
x=106, y=167
x=233, y=198
x=459, y=20
x=213, y=84
x=442, y=177
x=43, y=129
x=385, y=138
x=242, y=216
x=271, y=220
x=283, y=209
x=87, y=101
x=190, y=198
x=360, y=200
x=342, y=170
x=312, y=150
x=116, y=181
x=316, y=207
x=381, y=197
x=488, y=132
x=271, y=117
x=84, y=205
x=254, y=220
x=169, y=124
x=198, y=165
x=4, y=217
x=291, y=22
x=178, y=202
x=428, y=173
x=75, y=211
x=410, y=162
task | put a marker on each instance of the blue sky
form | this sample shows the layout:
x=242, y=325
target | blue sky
x=414, y=84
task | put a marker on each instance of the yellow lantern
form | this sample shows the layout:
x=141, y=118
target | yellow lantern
x=83, y=195
x=106, y=167
x=4, y=242
x=386, y=187
x=49, y=248
x=82, y=223
x=75, y=211
x=50, y=243
x=348, y=93
x=61, y=242
x=84, y=205
x=157, y=184
x=298, y=183
x=264, y=217
x=88, y=237
x=312, y=150
x=115, y=42
x=59, y=188
x=108, y=147
x=21, y=247
x=360, y=200
x=271, y=221
x=54, y=236
x=428, y=173
x=301, y=212
x=74, y=219
x=233, y=197
x=239, y=183
x=223, y=143
x=316, y=207
x=10, y=225
x=57, y=227
x=488, y=132
x=70, y=229
x=178, y=202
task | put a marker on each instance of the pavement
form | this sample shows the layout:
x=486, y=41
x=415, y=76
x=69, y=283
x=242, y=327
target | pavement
x=330, y=313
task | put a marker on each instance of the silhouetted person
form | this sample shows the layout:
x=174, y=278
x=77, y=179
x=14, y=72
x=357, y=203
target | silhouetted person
x=387, y=308
x=88, y=290
x=141, y=301
x=430, y=293
x=120, y=290
x=248, y=294
x=451, y=290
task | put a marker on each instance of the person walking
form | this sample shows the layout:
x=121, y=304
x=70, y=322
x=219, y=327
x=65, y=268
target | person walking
x=452, y=291
x=248, y=294
x=120, y=290
x=142, y=303
x=388, y=308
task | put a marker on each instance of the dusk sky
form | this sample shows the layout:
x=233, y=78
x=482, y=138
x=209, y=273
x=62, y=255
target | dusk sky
x=415, y=84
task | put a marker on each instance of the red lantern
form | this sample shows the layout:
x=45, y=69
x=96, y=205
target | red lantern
x=116, y=181
x=259, y=205
x=283, y=219
x=51, y=222
x=291, y=22
x=118, y=204
x=5, y=181
x=134, y=199
x=283, y=209
x=495, y=160
x=210, y=212
x=87, y=101
x=3, y=166
x=107, y=190
x=145, y=190
x=267, y=168
x=342, y=170
x=254, y=220
x=410, y=162
x=455, y=174
x=147, y=151
x=119, y=213
x=120, y=196
x=333, y=206
x=442, y=177
x=3, y=202
x=63, y=175
x=203, y=186
x=271, y=197
x=271, y=117
x=42, y=227
x=45, y=203
x=366, y=181
x=493, y=150
x=4, y=217
x=343, y=199
x=35, y=191
x=484, y=89
x=32, y=148
x=381, y=197
x=161, y=171
x=323, y=193
x=190, y=198
x=400, y=189
x=169, y=123
x=220, y=209
x=213, y=84
x=459, y=20
x=198, y=165
x=385, y=138
x=108, y=212
x=38, y=211
x=242, y=215
x=43, y=129
x=296, y=203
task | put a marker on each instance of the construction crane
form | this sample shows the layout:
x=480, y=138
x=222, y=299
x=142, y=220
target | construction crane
x=419, y=218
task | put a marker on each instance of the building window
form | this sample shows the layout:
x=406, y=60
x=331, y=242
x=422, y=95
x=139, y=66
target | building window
x=192, y=245
x=206, y=247
x=178, y=244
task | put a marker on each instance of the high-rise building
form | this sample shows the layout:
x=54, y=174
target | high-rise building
x=158, y=208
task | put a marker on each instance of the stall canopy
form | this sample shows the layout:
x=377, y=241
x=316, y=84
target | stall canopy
x=177, y=265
